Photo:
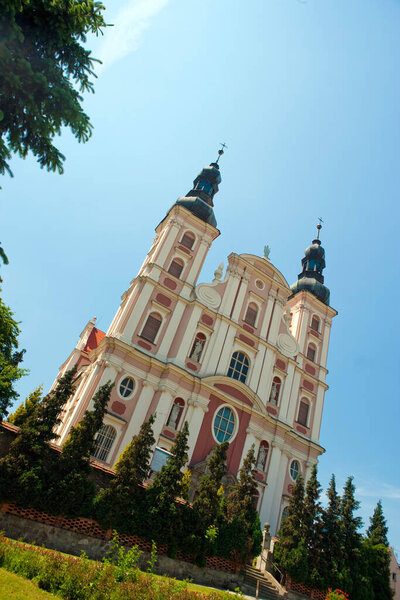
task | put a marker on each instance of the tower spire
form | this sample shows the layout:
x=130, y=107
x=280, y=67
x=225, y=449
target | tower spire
x=319, y=227
x=221, y=151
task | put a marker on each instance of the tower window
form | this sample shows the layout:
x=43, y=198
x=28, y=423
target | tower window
x=311, y=352
x=126, y=387
x=224, y=424
x=176, y=267
x=198, y=346
x=315, y=323
x=294, y=469
x=103, y=442
x=188, y=240
x=275, y=389
x=176, y=413
x=303, y=412
x=151, y=327
x=205, y=186
x=251, y=314
x=239, y=366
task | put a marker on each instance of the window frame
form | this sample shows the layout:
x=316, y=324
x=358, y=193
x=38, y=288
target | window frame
x=151, y=312
x=313, y=346
x=236, y=422
x=177, y=261
x=203, y=348
x=255, y=311
x=316, y=318
x=121, y=379
x=111, y=446
x=299, y=472
x=276, y=403
x=234, y=368
x=189, y=234
x=306, y=401
x=181, y=403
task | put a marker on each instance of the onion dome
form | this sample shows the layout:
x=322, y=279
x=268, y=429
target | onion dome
x=199, y=200
x=311, y=278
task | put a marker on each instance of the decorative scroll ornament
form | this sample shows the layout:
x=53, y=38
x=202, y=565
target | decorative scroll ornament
x=208, y=295
x=286, y=342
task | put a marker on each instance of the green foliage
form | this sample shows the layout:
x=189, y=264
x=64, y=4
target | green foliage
x=44, y=66
x=337, y=595
x=29, y=466
x=162, y=507
x=242, y=514
x=122, y=504
x=377, y=531
x=331, y=537
x=207, y=506
x=350, y=541
x=291, y=551
x=26, y=410
x=70, y=490
x=10, y=356
x=313, y=531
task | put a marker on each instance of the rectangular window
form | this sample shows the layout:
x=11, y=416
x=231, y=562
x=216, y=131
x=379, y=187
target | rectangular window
x=175, y=269
x=151, y=328
x=251, y=316
x=303, y=413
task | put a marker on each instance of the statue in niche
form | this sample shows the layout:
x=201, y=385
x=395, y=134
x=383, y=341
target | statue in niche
x=274, y=393
x=173, y=417
x=262, y=455
x=197, y=349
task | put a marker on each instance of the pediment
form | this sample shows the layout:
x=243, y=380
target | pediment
x=236, y=390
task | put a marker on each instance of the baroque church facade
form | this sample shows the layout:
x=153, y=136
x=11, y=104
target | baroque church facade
x=241, y=359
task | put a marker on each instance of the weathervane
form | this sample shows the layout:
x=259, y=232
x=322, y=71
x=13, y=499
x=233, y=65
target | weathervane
x=221, y=151
x=319, y=227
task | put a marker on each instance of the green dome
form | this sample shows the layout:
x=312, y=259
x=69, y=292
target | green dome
x=198, y=207
x=308, y=284
x=311, y=278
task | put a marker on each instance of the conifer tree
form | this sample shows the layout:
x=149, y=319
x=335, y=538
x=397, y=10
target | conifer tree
x=207, y=504
x=377, y=531
x=10, y=358
x=331, y=538
x=121, y=505
x=313, y=529
x=70, y=490
x=29, y=465
x=242, y=516
x=26, y=410
x=162, y=495
x=376, y=555
x=350, y=538
x=290, y=551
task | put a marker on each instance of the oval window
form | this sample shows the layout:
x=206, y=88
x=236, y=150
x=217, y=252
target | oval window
x=126, y=387
x=294, y=469
x=224, y=424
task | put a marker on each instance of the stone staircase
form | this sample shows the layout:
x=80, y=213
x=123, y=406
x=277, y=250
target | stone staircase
x=269, y=588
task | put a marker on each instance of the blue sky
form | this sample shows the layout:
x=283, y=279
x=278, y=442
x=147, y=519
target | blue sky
x=307, y=97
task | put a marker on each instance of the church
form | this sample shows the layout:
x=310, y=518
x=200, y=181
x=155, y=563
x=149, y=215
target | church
x=241, y=358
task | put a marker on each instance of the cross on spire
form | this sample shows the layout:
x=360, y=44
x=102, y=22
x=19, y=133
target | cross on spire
x=221, y=151
x=319, y=227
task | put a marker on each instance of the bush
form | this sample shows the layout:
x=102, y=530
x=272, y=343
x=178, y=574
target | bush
x=336, y=595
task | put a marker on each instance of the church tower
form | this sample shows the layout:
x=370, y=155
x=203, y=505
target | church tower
x=241, y=358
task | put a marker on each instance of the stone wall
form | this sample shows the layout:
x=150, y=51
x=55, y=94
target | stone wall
x=55, y=537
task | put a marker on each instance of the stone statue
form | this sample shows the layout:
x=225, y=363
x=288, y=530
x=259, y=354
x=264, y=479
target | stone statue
x=262, y=453
x=172, y=421
x=274, y=391
x=197, y=350
x=267, y=251
x=218, y=272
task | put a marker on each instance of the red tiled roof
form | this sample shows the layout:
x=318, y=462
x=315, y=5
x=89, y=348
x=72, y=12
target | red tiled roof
x=94, y=339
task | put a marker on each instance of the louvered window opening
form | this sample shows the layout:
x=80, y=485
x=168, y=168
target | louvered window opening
x=151, y=328
x=315, y=323
x=103, y=442
x=303, y=413
x=175, y=269
x=311, y=353
x=251, y=316
x=187, y=241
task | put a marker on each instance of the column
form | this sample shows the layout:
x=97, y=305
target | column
x=325, y=343
x=127, y=332
x=171, y=331
x=319, y=405
x=254, y=436
x=139, y=414
x=276, y=319
x=291, y=395
x=278, y=491
x=162, y=410
x=188, y=336
x=198, y=260
x=197, y=408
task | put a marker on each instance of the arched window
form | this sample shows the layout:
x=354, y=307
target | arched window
x=315, y=323
x=103, y=442
x=206, y=186
x=151, y=327
x=262, y=456
x=239, y=366
x=311, y=352
x=176, y=267
x=224, y=424
x=285, y=514
x=294, y=469
x=251, y=314
x=188, y=240
x=275, y=389
x=198, y=346
x=304, y=410
x=176, y=413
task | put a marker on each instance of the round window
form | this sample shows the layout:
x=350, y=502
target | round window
x=260, y=284
x=294, y=469
x=224, y=424
x=126, y=387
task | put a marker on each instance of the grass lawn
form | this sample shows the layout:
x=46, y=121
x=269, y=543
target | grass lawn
x=14, y=587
